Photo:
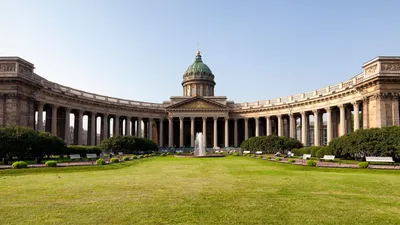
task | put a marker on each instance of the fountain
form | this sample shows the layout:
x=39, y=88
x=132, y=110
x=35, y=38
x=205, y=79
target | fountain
x=199, y=149
x=198, y=145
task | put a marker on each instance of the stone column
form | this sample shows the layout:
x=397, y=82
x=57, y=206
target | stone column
x=268, y=124
x=316, y=128
x=226, y=132
x=280, y=125
x=204, y=131
x=192, y=132
x=292, y=126
x=40, y=126
x=171, y=132
x=181, y=132
x=105, y=126
x=161, y=142
x=93, y=129
x=127, y=126
x=150, y=129
x=215, y=132
x=365, y=114
x=67, y=131
x=342, y=120
x=356, y=116
x=139, y=127
x=54, y=120
x=116, y=126
x=304, y=128
x=235, y=138
x=257, y=122
x=80, y=127
x=246, y=128
x=328, y=125
x=395, y=111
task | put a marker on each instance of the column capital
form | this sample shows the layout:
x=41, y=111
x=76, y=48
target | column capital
x=117, y=116
x=161, y=118
x=54, y=106
x=315, y=111
x=257, y=118
x=67, y=109
x=192, y=118
x=226, y=118
x=39, y=103
x=279, y=116
x=267, y=117
x=205, y=118
x=355, y=103
x=181, y=118
x=303, y=113
x=328, y=109
x=246, y=119
x=341, y=106
x=235, y=119
x=215, y=118
x=80, y=112
x=169, y=118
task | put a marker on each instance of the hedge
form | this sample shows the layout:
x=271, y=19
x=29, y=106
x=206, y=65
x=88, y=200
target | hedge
x=128, y=144
x=383, y=142
x=270, y=144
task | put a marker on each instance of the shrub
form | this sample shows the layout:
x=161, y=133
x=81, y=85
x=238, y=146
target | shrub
x=82, y=150
x=246, y=154
x=323, y=151
x=146, y=155
x=268, y=157
x=260, y=156
x=278, y=159
x=168, y=153
x=163, y=154
x=363, y=165
x=126, y=158
x=253, y=155
x=311, y=163
x=19, y=165
x=100, y=162
x=235, y=154
x=114, y=160
x=178, y=153
x=291, y=161
x=270, y=144
x=129, y=144
x=51, y=163
x=140, y=156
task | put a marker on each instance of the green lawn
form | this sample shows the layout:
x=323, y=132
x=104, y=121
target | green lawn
x=168, y=190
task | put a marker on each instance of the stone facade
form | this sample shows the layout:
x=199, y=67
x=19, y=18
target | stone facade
x=370, y=99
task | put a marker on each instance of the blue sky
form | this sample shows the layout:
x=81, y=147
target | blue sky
x=257, y=50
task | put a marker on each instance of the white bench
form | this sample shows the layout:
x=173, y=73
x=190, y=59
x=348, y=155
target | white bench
x=75, y=156
x=328, y=157
x=379, y=159
x=91, y=156
x=306, y=156
x=246, y=152
x=258, y=152
x=120, y=153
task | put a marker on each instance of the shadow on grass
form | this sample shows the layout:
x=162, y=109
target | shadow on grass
x=72, y=169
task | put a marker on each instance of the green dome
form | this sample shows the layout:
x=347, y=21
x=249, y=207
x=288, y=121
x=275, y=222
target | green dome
x=198, y=67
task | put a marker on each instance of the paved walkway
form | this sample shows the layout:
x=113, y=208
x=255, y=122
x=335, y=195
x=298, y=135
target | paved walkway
x=60, y=164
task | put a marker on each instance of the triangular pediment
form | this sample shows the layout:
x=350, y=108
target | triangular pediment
x=197, y=103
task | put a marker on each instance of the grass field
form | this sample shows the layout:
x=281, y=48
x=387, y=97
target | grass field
x=168, y=190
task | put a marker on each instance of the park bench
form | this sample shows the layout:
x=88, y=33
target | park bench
x=328, y=157
x=91, y=156
x=246, y=152
x=306, y=156
x=379, y=159
x=259, y=152
x=75, y=156
x=120, y=153
x=290, y=154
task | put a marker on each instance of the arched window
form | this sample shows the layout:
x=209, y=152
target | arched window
x=197, y=90
x=204, y=91
x=192, y=92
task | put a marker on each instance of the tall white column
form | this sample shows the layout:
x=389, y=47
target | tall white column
x=328, y=124
x=170, y=133
x=40, y=126
x=215, y=132
x=67, y=131
x=161, y=142
x=139, y=127
x=257, y=126
x=54, y=120
x=342, y=120
x=192, y=132
x=181, y=132
x=235, y=136
x=93, y=133
x=150, y=129
x=268, y=124
x=204, y=131
x=292, y=126
x=356, y=116
x=280, y=125
x=80, y=127
x=226, y=132
x=246, y=128
x=304, y=128
x=316, y=128
x=395, y=111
